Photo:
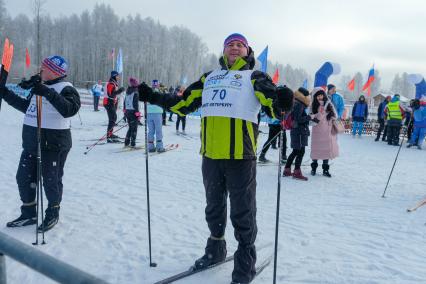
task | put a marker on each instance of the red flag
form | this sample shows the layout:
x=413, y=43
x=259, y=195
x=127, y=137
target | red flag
x=369, y=90
x=351, y=84
x=27, y=58
x=276, y=77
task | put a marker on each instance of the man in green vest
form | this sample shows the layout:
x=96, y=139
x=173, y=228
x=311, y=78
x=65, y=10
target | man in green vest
x=229, y=99
x=394, y=114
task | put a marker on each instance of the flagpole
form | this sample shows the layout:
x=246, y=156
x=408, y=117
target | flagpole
x=113, y=58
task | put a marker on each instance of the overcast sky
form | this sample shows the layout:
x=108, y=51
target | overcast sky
x=305, y=33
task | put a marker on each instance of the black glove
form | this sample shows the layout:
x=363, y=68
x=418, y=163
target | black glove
x=316, y=120
x=145, y=92
x=41, y=90
x=28, y=84
x=285, y=98
x=122, y=89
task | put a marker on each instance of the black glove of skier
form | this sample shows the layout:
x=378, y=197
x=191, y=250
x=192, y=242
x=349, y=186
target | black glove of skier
x=316, y=120
x=41, y=90
x=285, y=98
x=145, y=92
x=122, y=89
x=28, y=84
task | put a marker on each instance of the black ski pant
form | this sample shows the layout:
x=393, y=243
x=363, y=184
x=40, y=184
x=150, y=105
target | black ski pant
x=382, y=127
x=132, y=132
x=112, y=118
x=171, y=115
x=274, y=130
x=393, y=134
x=298, y=155
x=52, y=169
x=238, y=178
x=95, y=103
x=179, y=119
x=410, y=127
x=164, y=116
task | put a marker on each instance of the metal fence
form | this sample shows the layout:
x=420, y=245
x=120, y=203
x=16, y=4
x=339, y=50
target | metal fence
x=45, y=264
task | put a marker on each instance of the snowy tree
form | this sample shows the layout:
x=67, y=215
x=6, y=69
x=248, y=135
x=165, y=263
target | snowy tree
x=401, y=86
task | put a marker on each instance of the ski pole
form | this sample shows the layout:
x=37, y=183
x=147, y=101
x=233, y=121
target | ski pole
x=266, y=145
x=39, y=186
x=151, y=264
x=81, y=122
x=277, y=218
x=390, y=175
x=90, y=147
x=420, y=204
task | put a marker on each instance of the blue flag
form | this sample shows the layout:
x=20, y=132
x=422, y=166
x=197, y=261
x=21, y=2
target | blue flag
x=120, y=62
x=263, y=58
x=305, y=84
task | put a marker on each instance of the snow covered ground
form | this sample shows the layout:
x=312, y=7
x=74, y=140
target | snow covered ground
x=336, y=230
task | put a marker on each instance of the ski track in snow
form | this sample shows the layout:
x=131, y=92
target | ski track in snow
x=336, y=230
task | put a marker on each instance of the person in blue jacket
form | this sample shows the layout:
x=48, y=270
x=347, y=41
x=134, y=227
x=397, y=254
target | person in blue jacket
x=97, y=91
x=359, y=116
x=381, y=119
x=419, y=115
x=336, y=99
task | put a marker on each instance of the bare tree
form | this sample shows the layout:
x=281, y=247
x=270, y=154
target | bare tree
x=37, y=10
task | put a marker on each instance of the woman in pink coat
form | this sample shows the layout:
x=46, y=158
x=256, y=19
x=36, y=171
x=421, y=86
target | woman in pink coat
x=323, y=142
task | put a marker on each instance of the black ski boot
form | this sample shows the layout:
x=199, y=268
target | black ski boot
x=215, y=252
x=325, y=168
x=51, y=219
x=28, y=217
x=262, y=158
x=244, y=264
x=314, y=166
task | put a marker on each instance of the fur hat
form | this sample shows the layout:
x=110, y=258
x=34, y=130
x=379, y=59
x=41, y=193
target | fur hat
x=302, y=95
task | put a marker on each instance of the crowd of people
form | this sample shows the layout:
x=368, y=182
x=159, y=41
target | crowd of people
x=229, y=134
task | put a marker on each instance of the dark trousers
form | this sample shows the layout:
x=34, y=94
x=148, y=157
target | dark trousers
x=95, y=103
x=170, y=116
x=132, y=132
x=393, y=134
x=410, y=127
x=382, y=127
x=179, y=119
x=273, y=136
x=298, y=155
x=324, y=162
x=52, y=169
x=112, y=118
x=238, y=178
x=164, y=116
